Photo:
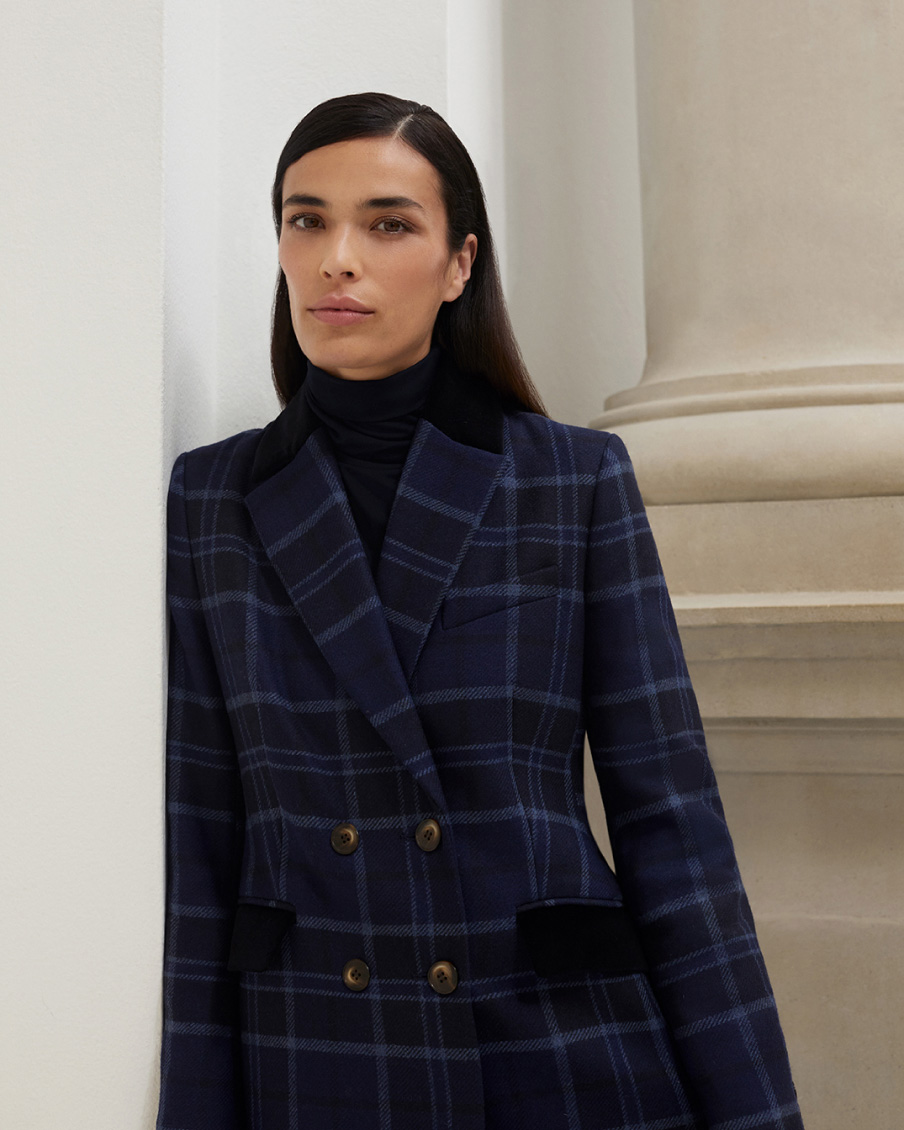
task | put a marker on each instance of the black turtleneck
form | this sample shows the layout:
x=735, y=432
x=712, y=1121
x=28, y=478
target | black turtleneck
x=370, y=425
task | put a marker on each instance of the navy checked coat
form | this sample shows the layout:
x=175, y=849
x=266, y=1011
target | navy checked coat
x=518, y=603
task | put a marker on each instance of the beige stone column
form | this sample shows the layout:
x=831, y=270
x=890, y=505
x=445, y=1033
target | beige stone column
x=768, y=437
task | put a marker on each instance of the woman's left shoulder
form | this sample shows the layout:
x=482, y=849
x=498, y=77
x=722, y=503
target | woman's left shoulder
x=537, y=438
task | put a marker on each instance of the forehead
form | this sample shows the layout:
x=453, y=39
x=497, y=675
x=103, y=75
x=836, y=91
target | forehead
x=347, y=172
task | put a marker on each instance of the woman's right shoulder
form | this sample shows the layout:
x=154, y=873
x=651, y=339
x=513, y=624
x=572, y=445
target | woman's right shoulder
x=224, y=465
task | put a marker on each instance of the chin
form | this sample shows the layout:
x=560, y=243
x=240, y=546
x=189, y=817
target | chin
x=344, y=355
x=324, y=356
x=331, y=361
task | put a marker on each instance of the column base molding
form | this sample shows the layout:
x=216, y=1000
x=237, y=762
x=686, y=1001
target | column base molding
x=858, y=746
x=749, y=447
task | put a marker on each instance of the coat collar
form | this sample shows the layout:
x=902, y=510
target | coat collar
x=372, y=629
x=463, y=406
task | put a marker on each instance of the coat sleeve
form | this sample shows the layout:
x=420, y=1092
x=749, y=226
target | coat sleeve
x=200, y=1060
x=672, y=850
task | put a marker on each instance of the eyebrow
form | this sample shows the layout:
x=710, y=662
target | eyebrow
x=298, y=198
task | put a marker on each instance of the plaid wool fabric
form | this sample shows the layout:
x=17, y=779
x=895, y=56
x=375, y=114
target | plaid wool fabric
x=518, y=604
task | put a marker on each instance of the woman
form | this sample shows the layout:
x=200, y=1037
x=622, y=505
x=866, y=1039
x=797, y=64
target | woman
x=395, y=611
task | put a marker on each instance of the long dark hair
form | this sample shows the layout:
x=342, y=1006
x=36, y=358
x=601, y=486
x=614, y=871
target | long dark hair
x=475, y=328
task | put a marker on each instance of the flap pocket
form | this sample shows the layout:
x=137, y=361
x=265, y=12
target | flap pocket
x=572, y=935
x=257, y=933
x=465, y=604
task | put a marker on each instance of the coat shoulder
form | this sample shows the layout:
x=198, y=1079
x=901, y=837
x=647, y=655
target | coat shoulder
x=224, y=465
x=537, y=439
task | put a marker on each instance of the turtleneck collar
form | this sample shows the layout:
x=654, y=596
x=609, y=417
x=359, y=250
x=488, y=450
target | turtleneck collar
x=375, y=419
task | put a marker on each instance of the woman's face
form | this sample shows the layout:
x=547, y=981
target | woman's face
x=364, y=219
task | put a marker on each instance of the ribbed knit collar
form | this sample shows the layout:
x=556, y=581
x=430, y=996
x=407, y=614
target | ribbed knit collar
x=463, y=405
x=373, y=419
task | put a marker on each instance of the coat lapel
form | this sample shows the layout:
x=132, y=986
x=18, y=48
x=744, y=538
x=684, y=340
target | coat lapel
x=442, y=494
x=371, y=631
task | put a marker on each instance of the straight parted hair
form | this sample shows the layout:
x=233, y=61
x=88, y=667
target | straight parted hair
x=475, y=328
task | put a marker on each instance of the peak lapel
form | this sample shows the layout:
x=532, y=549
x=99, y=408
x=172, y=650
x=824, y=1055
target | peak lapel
x=453, y=465
x=308, y=532
x=441, y=497
x=299, y=507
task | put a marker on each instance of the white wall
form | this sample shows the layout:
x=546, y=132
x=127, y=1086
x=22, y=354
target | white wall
x=82, y=677
x=192, y=181
x=573, y=199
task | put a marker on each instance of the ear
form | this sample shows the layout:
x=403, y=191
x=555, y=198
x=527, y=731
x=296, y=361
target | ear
x=460, y=268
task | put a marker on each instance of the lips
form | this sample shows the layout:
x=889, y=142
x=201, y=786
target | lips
x=341, y=317
x=341, y=302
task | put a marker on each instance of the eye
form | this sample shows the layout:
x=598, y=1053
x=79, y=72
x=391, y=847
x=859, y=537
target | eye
x=294, y=221
x=393, y=220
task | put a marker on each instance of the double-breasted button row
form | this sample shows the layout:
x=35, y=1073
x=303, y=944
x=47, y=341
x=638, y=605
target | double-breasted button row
x=345, y=838
x=442, y=976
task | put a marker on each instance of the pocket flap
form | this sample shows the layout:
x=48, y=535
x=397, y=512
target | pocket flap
x=572, y=935
x=257, y=933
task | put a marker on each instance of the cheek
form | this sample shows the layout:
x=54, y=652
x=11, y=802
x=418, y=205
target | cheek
x=420, y=284
x=290, y=265
x=296, y=292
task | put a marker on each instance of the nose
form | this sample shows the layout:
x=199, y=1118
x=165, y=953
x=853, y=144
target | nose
x=341, y=255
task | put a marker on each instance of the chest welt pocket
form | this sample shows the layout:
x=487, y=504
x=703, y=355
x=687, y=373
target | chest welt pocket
x=467, y=603
x=575, y=935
